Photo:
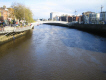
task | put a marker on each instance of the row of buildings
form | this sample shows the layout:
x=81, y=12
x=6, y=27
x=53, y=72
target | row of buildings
x=86, y=17
x=94, y=18
x=3, y=13
x=6, y=15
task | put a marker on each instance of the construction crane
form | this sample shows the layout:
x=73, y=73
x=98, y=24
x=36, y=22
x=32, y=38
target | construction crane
x=75, y=12
x=101, y=8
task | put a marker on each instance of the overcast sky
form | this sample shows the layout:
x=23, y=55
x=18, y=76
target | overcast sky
x=42, y=8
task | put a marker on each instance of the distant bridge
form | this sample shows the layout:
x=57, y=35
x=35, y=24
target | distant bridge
x=43, y=22
x=58, y=23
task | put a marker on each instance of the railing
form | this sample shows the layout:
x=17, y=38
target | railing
x=7, y=33
x=13, y=29
x=1, y=29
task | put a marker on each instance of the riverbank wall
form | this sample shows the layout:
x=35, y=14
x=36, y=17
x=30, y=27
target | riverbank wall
x=99, y=29
x=11, y=36
x=91, y=27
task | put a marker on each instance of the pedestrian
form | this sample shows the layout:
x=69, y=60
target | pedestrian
x=9, y=22
x=14, y=21
x=3, y=24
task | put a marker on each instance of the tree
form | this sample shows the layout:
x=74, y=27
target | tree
x=11, y=13
x=4, y=6
x=28, y=15
x=21, y=12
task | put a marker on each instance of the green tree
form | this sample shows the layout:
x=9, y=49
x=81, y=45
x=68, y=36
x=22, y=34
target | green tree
x=21, y=12
x=28, y=15
x=4, y=6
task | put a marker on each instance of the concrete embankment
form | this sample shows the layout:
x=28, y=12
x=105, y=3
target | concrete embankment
x=11, y=36
x=93, y=28
x=99, y=29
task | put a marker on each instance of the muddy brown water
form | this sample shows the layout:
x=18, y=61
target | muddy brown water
x=54, y=53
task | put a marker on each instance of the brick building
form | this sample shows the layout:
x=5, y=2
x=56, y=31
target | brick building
x=63, y=18
x=71, y=18
x=4, y=13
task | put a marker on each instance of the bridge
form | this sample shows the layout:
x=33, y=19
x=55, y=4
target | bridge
x=51, y=22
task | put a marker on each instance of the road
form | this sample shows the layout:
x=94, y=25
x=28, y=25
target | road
x=54, y=53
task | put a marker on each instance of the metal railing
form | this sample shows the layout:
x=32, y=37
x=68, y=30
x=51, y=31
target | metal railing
x=7, y=33
x=13, y=29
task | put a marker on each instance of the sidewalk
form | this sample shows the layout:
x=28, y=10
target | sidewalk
x=8, y=29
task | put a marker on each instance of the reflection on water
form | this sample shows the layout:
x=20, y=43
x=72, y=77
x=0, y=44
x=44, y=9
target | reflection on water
x=54, y=53
x=14, y=43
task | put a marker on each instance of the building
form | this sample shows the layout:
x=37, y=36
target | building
x=80, y=19
x=53, y=15
x=94, y=18
x=4, y=13
x=85, y=16
x=63, y=18
x=71, y=18
x=56, y=16
x=103, y=17
x=97, y=18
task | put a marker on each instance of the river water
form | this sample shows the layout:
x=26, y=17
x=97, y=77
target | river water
x=54, y=53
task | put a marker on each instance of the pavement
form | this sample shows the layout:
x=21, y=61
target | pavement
x=8, y=29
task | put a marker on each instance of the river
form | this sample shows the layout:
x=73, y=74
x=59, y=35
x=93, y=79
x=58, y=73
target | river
x=54, y=53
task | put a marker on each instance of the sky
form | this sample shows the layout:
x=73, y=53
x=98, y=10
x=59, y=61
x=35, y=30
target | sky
x=43, y=8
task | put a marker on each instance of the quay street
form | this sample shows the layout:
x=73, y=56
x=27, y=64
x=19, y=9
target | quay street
x=50, y=52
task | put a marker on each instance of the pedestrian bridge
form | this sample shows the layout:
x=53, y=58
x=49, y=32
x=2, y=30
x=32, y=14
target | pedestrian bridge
x=42, y=22
x=58, y=23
